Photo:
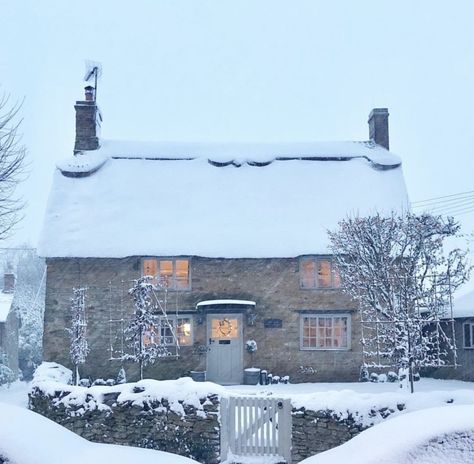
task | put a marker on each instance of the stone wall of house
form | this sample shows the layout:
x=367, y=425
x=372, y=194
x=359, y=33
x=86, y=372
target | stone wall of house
x=272, y=283
x=155, y=424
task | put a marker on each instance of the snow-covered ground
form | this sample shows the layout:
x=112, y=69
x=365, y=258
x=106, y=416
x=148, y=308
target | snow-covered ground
x=431, y=436
x=50, y=443
x=447, y=397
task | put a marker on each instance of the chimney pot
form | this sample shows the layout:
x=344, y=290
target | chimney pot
x=378, y=127
x=89, y=93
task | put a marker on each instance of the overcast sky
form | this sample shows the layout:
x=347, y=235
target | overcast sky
x=247, y=70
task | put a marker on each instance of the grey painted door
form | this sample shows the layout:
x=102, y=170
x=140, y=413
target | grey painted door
x=224, y=356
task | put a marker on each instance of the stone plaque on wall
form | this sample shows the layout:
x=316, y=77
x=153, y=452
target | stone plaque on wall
x=272, y=323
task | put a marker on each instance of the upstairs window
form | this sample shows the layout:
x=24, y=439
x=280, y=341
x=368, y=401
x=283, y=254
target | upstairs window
x=169, y=273
x=316, y=272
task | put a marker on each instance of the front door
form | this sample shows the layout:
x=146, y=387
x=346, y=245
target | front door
x=224, y=356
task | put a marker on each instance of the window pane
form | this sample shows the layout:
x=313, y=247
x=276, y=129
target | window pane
x=166, y=273
x=467, y=335
x=324, y=273
x=150, y=267
x=307, y=273
x=182, y=273
x=336, y=277
x=184, y=331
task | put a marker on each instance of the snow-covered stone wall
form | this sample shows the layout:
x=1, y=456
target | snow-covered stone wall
x=315, y=431
x=137, y=415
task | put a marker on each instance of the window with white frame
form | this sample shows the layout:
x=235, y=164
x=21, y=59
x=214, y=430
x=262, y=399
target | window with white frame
x=318, y=272
x=170, y=273
x=170, y=331
x=325, y=331
x=468, y=334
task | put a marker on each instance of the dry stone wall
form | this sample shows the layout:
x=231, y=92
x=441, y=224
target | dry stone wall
x=155, y=424
x=182, y=428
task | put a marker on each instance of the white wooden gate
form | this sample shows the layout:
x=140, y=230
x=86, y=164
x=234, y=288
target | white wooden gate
x=253, y=426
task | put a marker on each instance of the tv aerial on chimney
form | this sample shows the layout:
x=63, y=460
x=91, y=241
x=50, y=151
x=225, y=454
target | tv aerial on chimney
x=93, y=71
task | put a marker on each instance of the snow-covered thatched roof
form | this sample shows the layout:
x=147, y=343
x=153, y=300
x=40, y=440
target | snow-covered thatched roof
x=227, y=200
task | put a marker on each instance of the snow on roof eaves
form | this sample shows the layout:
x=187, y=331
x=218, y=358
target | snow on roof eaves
x=464, y=306
x=235, y=154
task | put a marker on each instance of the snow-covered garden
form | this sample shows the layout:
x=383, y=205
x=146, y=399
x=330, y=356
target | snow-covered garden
x=442, y=409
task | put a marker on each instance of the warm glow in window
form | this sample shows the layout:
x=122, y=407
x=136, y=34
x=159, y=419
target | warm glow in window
x=307, y=272
x=182, y=273
x=170, y=331
x=318, y=273
x=324, y=273
x=324, y=332
x=169, y=273
x=150, y=267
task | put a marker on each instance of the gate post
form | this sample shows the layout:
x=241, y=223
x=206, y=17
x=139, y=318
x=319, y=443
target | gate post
x=225, y=429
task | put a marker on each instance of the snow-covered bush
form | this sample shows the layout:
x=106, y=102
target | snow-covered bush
x=85, y=383
x=374, y=377
x=392, y=377
x=364, y=374
x=6, y=374
x=100, y=382
x=121, y=376
x=51, y=371
x=382, y=378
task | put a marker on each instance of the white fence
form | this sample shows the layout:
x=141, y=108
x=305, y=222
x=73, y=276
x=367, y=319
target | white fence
x=253, y=426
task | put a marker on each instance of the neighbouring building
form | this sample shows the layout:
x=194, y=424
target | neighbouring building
x=462, y=326
x=235, y=232
x=9, y=324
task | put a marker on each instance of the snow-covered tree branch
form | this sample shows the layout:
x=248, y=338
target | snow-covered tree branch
x=79, y=347
x=149, y=321
x=395, y=267
x=12, y=164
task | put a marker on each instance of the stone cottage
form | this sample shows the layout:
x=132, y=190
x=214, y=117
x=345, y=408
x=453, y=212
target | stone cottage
x=235, y=234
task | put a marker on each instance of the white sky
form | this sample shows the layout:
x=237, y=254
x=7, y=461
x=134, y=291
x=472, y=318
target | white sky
x=247, y=70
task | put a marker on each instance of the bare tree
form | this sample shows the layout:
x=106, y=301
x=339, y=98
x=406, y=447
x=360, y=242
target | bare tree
x=395, y=267
x=12, y=166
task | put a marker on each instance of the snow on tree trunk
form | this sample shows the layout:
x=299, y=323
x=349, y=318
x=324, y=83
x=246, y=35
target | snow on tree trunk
x=395, y=267
x=77, y=332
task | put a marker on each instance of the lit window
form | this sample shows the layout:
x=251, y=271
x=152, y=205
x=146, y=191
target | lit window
x=325, y=332
x=318, y=273
x=172, y=274
x=170, y=331
x=468, y=332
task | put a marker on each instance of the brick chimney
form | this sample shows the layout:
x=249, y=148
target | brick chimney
x=88, y=121
x=8, y=282
x=378, y=127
